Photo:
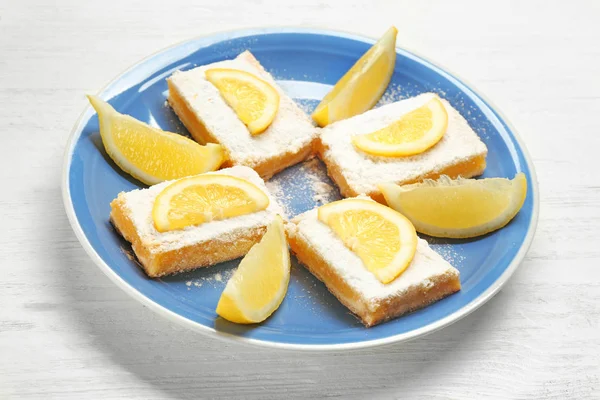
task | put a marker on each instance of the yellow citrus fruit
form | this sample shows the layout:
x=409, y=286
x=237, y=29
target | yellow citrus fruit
x=150, y=154
x=460, y=208
x=260, y=283
x=382, y=238
x=363, y=85
x=204, y=198
x=254, y=101
x=412, y=134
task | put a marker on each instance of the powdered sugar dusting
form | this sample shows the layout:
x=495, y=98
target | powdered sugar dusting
x=449, y=253
x=307, y=105
x=213, y=280
x=275, y=187
x=322, y=191
x=393, y=93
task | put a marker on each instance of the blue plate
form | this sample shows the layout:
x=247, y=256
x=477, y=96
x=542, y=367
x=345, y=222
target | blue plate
x=306, y=63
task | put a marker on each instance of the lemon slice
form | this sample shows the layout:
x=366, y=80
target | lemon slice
x=203, y=198
x=363, y=85
x=254, y=101
x=382, y=238
x=412, y=134
x=460, y=208
x=260, y=283
x=149, y=154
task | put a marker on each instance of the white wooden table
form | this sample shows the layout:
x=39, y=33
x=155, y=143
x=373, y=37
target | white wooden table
x=67, y=332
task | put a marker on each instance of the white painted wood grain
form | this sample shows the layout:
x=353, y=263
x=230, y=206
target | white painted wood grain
x=67, y=332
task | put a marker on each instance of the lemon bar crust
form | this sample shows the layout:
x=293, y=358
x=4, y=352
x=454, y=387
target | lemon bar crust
x=158, y=263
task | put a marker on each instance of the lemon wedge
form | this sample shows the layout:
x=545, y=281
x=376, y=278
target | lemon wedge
x=363, y=85
x=150, y=154
x=382, y=238
x=412, y=134
x=460, y=208
x=204, y=198
x=254, y=101
x=260, y=283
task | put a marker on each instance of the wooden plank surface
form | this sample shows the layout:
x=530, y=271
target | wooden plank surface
x=67, y=332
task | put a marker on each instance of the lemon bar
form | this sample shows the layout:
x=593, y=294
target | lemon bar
x=195, y=246
x=427, y=279
x=287, y=141
x=460, y=152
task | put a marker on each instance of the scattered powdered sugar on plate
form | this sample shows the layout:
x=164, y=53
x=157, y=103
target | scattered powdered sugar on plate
x=448, y=252
x=323, y=191
x=467, y=109
x=275, y=187
x=307, y=105
x=235, y=47
x=213, y=280
x=392, y=94
x=302, y=187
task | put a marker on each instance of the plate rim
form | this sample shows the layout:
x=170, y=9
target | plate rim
x=457, y=315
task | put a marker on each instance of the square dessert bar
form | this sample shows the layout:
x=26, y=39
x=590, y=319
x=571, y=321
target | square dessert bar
x=195, y=246
x=460, y=152
x=427, y=279
x=199, y=105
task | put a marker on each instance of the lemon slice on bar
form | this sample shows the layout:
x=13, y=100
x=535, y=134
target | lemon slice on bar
x=260, y=283
x=204, y=198
x=363, y=85
x=414, y=133
x=254, y=100
x=382, y=238
x=460, y=208
x=150, y=154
